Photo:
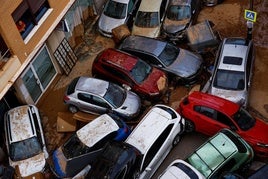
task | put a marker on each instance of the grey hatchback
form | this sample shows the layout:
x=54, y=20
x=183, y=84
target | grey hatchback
x=98, y=96
x=181, y=65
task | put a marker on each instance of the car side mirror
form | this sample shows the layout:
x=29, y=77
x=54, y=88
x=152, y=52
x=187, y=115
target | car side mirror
x=126, y=87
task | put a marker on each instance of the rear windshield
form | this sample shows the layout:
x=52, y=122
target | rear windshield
x=147, y=19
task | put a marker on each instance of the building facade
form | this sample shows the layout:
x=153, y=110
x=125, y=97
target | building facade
x=36, y=45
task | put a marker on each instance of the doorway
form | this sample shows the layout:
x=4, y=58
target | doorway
x=39, y=74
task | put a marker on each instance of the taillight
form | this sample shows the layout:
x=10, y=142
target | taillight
x=66, y=98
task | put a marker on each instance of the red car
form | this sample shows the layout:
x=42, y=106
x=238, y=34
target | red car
x=120, y=67
x=209, y=114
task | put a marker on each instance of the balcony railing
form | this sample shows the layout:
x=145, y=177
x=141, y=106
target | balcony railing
x=4, y=52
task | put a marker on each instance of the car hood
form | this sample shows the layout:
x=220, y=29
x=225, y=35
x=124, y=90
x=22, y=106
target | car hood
x=31, y=165
x=131, y=106
x=107, y=23
x=172, y=26
x=231, y=95
x=155, y=82
x=147, y=32
x=186, y=64
x=258, y=133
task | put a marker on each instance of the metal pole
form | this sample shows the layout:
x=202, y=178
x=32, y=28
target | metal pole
x=249, y=23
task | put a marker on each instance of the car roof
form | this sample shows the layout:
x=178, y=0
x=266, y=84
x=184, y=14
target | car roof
x=97, y=129
x=232, y=47
x=213, y=101
x=142, y=136
x=118, y=58
x=219, y=147
x=92, y=85
x=20, y=123
x=145, y=44
x=150, y=5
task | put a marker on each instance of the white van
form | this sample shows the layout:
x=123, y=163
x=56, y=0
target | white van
x=155, y=135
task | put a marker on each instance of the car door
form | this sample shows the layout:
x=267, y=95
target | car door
x=91, y=103
x=157, y=153
x=206, y=120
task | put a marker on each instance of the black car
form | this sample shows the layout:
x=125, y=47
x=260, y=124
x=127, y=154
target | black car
x=182, y=66
x=118, y=160
x=180, y=15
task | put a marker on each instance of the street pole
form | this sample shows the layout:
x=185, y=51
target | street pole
x=249, y=23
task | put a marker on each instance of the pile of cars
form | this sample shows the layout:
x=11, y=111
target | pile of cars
x=145, y=66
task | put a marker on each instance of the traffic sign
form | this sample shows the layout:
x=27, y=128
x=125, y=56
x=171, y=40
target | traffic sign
x=250, y=15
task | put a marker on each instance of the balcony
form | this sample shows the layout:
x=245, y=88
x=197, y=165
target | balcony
x=4, y=52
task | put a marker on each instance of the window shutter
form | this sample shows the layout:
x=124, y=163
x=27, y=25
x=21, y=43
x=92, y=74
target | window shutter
x=19, y=11
x=35, y=5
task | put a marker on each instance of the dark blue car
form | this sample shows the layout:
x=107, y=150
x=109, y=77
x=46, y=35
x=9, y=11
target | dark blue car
x=83, y=147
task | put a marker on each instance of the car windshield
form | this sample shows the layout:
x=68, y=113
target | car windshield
x=147, y=19
x=178, y=12
x=230, y=80
x=140, y=71
x=115, y=10
x=244, y=120
x=115, y=95
x=25, y=149
x=74, y=147
x=169, y=54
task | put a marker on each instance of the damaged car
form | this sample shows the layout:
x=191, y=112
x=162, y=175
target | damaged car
x=25, y=140
x=120, y=67
x=180, y=15
x=98, y=96
x=181, y=66
x=84, y=146
x=233, y=70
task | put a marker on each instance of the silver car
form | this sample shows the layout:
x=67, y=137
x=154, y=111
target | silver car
x=98, y=96
x=232, y=73
x=116, y=13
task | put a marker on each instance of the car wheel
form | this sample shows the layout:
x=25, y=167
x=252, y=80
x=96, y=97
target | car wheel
x=189, y=126
x=73, y=109
x=176, y=140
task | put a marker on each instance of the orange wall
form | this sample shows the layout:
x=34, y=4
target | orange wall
x=12, y=36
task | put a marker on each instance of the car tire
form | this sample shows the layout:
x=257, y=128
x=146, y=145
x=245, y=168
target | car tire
x=176, y=140
x=189, y=126
x=73, y=109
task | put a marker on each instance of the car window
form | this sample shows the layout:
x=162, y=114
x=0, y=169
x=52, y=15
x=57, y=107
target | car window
x=205, y=111
x=169, y=54
x=147, y=19
x=115, y=95
x=140, y=71
x=115, y=9
x=232, y=80
x=99, y=102
x=244, y=120
x=222, y=118
x=226, y=167
x=178, y=12
x=84, y=97
x=130, y=6
x=156, y=147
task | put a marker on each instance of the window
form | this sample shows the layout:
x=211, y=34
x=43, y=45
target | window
x=205, y=111
x=222, y=118
x=28, y=14
x=156, y=146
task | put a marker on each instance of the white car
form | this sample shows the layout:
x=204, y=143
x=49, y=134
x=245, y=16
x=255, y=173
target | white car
x=180, y=169
x=233, y=69
x=149, y=18
x=155, y=135
x=116, y=13
x=25, y=140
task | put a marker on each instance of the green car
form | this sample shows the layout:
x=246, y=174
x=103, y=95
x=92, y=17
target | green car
x=226, y=151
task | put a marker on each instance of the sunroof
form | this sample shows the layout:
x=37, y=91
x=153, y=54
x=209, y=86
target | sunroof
x=232, y=60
